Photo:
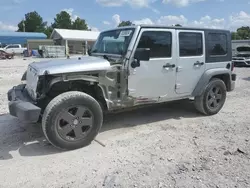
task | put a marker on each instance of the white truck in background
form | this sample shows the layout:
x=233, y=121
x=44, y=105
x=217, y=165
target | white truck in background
x=14, y=48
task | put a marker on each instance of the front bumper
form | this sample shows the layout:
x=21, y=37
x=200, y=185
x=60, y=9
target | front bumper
x=22, y=106
x=241, y=62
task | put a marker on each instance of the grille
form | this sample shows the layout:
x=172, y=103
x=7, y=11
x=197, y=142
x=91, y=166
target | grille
x=238, y=58
x=31, y=82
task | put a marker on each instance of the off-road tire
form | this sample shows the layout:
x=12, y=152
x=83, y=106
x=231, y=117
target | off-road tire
x=63, y=101
x=201, y=103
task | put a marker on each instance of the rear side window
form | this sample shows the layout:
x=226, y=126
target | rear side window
x=191, y=44
x=217, y=44
x=15, y=46
x=159, y=42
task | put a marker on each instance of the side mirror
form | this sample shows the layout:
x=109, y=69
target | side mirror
x=142, y=54
x=135, y=63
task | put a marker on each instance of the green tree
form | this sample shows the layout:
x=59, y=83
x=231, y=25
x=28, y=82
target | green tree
x=125, y=23
x=62, y=21
x=33, y=23
x=178, y=25
x=243, y=32
x=48, y=31
x=79, y=24
x=235, y=36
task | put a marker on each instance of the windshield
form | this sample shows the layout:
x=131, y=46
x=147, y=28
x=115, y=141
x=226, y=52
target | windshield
x=113, y=42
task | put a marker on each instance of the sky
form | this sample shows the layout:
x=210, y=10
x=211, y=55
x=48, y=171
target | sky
x=106, y=14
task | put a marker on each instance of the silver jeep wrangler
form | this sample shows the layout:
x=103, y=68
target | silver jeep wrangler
x=127, y=67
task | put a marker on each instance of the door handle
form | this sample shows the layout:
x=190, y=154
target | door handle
x=168, y=65
x=199, y=63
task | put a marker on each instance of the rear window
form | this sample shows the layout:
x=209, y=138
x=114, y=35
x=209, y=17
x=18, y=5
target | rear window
x=217, y=44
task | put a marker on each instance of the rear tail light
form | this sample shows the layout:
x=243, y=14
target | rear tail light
x=232, y=66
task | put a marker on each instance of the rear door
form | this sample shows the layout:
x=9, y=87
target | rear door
x=190, y=60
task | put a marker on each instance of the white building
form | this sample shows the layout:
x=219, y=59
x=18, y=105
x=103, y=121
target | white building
x=77, y=41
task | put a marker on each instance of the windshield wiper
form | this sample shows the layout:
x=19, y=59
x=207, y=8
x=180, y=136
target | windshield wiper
x=90, y=52
x=106, y=57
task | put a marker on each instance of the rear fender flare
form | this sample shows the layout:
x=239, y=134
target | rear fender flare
x=206, y=77
x=24, y=76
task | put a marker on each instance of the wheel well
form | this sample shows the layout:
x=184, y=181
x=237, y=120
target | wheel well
x=84, y=86
x=24, y=76
x=225, y=78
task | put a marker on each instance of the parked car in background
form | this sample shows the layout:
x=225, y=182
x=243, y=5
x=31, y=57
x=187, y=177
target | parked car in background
x=242, y=56
x=14, y=48
x=6, y=55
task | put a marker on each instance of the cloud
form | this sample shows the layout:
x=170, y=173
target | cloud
x=155, y=10
x=237, y=20
x=111, y=3
x=7, y=27
x=145, y=3
x=116, y=19
x=70, y=11
x=181, y=3
x=118, y=3
x=231, y=23
x=106, y=22
x=146, y=21
x=73, y=17
x=169, y=20
x=208, y=22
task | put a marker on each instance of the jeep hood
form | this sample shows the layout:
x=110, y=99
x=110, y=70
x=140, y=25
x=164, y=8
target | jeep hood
x=59, y=66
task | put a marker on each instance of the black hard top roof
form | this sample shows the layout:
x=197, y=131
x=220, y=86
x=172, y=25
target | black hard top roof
x=170, y=27
x=174, y=27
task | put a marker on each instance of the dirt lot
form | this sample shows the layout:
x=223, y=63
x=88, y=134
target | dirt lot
x=161, y=146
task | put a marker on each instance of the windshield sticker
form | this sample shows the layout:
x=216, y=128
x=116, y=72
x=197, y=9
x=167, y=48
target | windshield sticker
x=125, y=33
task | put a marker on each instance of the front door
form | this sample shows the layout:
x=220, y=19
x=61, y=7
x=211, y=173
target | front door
x=191, y=60
x=154, y=80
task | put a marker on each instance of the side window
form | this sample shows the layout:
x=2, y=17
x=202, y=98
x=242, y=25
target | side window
x=15, y=46
x=159, y=42
x=217, y=44
x=10, y=46
x=191, y=44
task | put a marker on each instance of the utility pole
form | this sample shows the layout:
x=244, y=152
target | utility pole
x=24, y=24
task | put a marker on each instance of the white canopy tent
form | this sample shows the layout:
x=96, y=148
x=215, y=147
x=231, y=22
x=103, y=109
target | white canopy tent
x=74, y=35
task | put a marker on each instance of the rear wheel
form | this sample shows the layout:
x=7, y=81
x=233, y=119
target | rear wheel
x=213, y=97
x=72, y=120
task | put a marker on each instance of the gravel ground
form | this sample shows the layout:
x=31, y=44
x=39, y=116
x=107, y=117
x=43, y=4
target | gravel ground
x=168, y=145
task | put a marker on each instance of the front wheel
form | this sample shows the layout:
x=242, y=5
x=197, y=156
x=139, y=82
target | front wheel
x=72, y=120
x=213, y=97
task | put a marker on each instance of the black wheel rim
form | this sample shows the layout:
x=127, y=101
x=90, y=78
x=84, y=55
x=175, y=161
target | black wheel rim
x=214, y=98
x=74, y=123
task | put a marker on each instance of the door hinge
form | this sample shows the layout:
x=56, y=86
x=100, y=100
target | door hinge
x=178, y=69
x=177, y=86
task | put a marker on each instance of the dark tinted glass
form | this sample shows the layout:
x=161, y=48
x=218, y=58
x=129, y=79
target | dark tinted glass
x=217, y=44
x=159, y=42
x=190, y=44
